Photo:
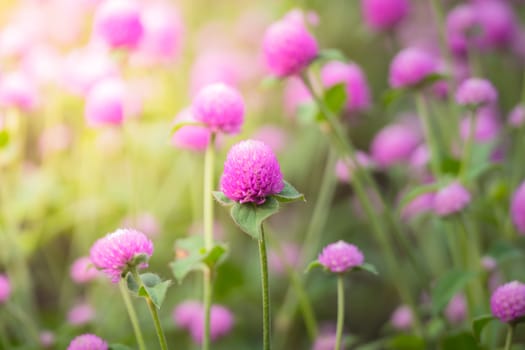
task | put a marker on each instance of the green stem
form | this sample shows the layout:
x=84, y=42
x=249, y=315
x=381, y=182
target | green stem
x=422, y=111
x=207, y=296
x=132, y=315
x=305, y=304
x=467, y=153
x=153, y=311
x=265, y=292
x=510, y=334
x=340, y=311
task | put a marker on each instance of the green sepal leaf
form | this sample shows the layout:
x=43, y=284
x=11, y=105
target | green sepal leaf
x=182, y=267
x=332, y=55
x=479, y=323
x=289, y=194
x=156, y=293
x=366, y=267
x=222, y=199
x=462, y=340
x=430, y=79
x=406, y=342
x=249, y=217
x=391, y=96
x=139, y=259
x=177, y=126
x=132, y=285
x=313, y=265
x=447, y=286
x=215, y=256
x=4, y=138
x=119, y=347
x=335, y=98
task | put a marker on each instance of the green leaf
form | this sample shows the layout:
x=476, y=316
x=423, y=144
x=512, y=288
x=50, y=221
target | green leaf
x=367, y=267
x=177, y=126
x=332, y=54
x=289, y=194
x=156, y=293
x=222, y=199
x=406, y=342
x=391, y=96
x=431, y=79
x=132, y=284
x=313, y=265
x=449, y=165
x=119, y=347
x=249, y=217
x=308, y=112
x=150, y=279
x=4, y=138
x=479, y=323
x=335, y=98
x=502, y=251
x=270, y=81
x=447, y=286
x=139, y=259
x=463, y=341
x=215, y=256
x=182, y=267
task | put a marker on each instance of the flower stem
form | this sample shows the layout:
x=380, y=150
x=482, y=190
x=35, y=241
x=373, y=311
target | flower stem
x=467, y=153
x=132, y=315
x=340, y=311
x=207, y=294
x=510, y=334
x=265, y=292
x=153, y=311
x=422, y=111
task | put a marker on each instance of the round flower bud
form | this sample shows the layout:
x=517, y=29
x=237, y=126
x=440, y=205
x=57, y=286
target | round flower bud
x=82, y=270
x=476, y=92
x=451, y=199
x=288, y=47
x=118, y=23
x=517, y=116
x=401, y=318
x=221, y=323
x=384, y=14
x=105, y=103
x=340, y=257
x=87, y=342
x=186, y=312
x=251, y=173
x=410, y=67
x=114, y=253
x=508, y=301
x=80, y=314
x=5, y=288
x=220, y=107
x=394, y=144
x=456, y=310
x=517, y=208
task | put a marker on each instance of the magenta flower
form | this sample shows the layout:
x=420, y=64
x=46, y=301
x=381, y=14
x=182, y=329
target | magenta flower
x=394, y=144
x=288, y=47
x=384, y=14
x=402, y=318
x=47, y=339
x=17, y=90
x=186, y=313
x=451, y=199
x=476, y=92
x=83, y=271
x=87, y=342
x=119, y=24
x=191, y=137
x=220, y=107
x=508, y=301
x=421, y=204
x=344, y=168
x=251, y=173
x=487, y=125
x=517, y=116
x=221, y=323
x=461, y=22
x=488, y=263
x=80, y=314
x=114, y=254
x=288, y=257
x=5, y=288
x=498, y=24
x=517, y=208
x=105, y=103
x=340, y=257
x=456, y=310
x=410, y=67
x=358, y=93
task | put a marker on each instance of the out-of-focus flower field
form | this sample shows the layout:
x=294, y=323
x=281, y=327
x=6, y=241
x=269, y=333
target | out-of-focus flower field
x=262, y=174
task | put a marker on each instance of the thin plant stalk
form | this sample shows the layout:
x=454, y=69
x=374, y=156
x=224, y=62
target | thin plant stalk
x=132, y=315
x=510, y=334
x=265, y=292
x=340, y=311
x=423, y=114
x=467, y=152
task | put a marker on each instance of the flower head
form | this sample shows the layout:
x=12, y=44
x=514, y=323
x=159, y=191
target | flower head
x=221, y=323
x=517, y=116
x=82, y=270
x=105, y=103
x=186, y=312
x=451, y=199
x=18, y=90
x=80, y=314
x=395, y=143
x=119, y=24
x=384, y=14
x=192, y=137
x=87, y=342
x=115, y=253
x=340, y=257
x=517, y=208
x=401, y=318
x=410, y=67
x=220, y=107
x=47, y=339
x=508, y=301
x=251, y=173
x=5, y=288
x=476, y=92
x=288, y=47
x=456, y=310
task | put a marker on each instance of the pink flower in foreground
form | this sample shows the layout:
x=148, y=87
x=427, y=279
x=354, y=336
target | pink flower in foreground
x=517, y=208
x=114, y=253
x=82, y=270
x=340, y=257
x=87, y=342
x=508, y=301
x=251, y=173
x=5, y=288
x=118, y=23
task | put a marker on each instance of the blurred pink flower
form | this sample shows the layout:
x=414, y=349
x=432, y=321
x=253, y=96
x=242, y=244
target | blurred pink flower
x=5, y=288
x=106, y=103
x=395, y=144
x=119, y=24
x=144, y=222
x=18, y=90
x=80, y=314
x=192, y=137
x=384, y=14
x=456, y=310
x=345, y=167
x=295, y=94
x=274, y=136
x=487, y=125
x=401, y=318
x=288, y=257
x=82, y=270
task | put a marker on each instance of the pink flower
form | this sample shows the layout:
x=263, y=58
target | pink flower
x=221, y=323
x=287, y=258
x=394, y=144
x=251, y=173
x=220, y=107
x=508, y=301
x=456, y=310
x=476, y=92
x=517, y=116
x=410, y=67
x=517, y=208
x=344, y=168
x=87, y=342
x=186, y=313
x=498, y=24
x=421, y=204
x=119, y=24
x=384, y=14
x=114, y=253
x=488, y=263
x=461, y=22
x=487, y=125
x=401, y=318
x=273, y=136
x=47, y=339
x=451, y=199
x=288, y=47
x=83, y=271
x=340, y=257
x=80, y=314
x=106, y=103
x=5, y=288
x=144, y=222
x=17, y=90
x=192, y=137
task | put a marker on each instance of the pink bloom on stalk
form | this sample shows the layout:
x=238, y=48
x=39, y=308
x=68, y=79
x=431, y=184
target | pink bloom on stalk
x=87, y=342
x=384, y=14
x=119, y=24
x=5, y=288
x=487, y=125
x=410, y=67
x=420, y=157
x=340, y=257
x=508, y=301
x=402, y=318
x=344, y=168
x=287, y=257
x=106, y=103
x=476, y=92
x=421, y=204
x=47, y=339
x=488, y=263
x=394, y=144
x=221, y=323
x=220, y=107
x=517, y=208
x=326, y=341
x=17, y=90
x=517, y=116
x=83, y=271
x=354, y=79
x=460, y=25
x=114, y=253
x=451, y=199
x=456, y=310
x=192, y=137
x=273, y=136
x=144, y=222
x=185, y=314
x=295, y=94
x=498, y=22
x=288, y=47
x=80, y=314
x=251, y=173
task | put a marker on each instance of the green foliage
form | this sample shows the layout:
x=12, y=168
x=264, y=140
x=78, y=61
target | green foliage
x=449, y=285
x=249, y=217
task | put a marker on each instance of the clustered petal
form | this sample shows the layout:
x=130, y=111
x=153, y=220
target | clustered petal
x=82, y=270
x=87, y=342
x=508, y=301
x=119, y=24
x=451, y=199
x=340, y=257
x=410, y=67
x=476, y=92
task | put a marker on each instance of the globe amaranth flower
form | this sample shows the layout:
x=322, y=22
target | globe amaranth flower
x=186, y=312
x=340, y=257
x=410, y=67
x=220, y=107
x=288, y=47
x=456, y=310
x=5, y=288
x=517, y=208
x=460, y=25
x=87, y=342
x=191, y=137
x=487, y=125
x=508, y=301
x=251, y=173
x=119, y=24
x=221, y=323
x=394, y=144
x=18, y=90
x=476, y=92
x=80, y=314
x=114, y=254
x=451, y=199
x=83, y=271
x=106, y=103
x=402, y=318
x=47, y=339
x=516, y=117
x=384, y=14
